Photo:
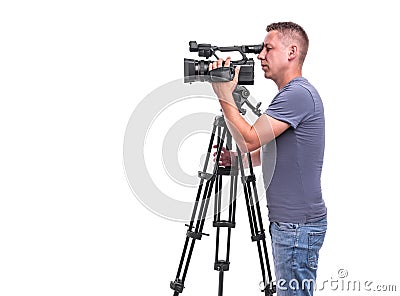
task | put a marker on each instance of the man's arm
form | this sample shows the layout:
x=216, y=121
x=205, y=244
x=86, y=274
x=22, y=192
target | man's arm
x=251, y=137
x=255, y=157
x=248, y=137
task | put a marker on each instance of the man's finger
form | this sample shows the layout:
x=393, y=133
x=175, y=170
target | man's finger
x=228, y=62
x=219, y=63
x=236, y=77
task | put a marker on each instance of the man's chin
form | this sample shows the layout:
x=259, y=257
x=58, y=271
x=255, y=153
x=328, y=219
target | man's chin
x=267, y=75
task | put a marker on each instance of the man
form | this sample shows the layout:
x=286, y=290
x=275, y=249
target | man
x=295, y=119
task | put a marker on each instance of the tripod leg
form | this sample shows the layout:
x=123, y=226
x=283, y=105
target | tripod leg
x=256, y=224
x=196, y=234
x=222, y=265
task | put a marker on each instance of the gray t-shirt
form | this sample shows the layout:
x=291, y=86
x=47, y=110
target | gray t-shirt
x=293, y=187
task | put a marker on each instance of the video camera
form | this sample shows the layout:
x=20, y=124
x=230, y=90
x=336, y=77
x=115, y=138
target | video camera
x=197, y=70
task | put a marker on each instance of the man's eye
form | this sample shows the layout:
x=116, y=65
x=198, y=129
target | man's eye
x=269, y=48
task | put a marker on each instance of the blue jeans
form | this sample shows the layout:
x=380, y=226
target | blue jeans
x=295, y=249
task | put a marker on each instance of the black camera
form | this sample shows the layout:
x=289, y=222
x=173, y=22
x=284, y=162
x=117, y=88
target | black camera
x=197, y=70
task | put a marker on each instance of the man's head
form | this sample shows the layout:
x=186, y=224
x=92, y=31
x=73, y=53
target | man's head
x=291, y=33
x=284, y=52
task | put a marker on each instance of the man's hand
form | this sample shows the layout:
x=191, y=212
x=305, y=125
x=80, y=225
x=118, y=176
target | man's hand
x=224, y=90
x=227, y=158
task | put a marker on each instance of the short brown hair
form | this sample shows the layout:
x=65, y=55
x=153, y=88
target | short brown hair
x=292, y=31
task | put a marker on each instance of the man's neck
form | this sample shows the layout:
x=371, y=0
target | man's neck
x=287, y=78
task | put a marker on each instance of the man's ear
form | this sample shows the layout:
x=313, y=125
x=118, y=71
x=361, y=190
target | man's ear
x=293, y=52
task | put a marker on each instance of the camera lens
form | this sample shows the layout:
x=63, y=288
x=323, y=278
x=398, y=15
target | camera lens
x=195, y=70
x=190, y=70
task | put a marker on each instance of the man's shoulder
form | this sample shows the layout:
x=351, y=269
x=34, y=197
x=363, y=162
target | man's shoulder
x=296, y=91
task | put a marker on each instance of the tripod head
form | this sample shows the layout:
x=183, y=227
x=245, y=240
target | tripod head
x=240, y=95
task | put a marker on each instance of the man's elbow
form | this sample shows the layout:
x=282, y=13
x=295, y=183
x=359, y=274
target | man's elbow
x=246, y=147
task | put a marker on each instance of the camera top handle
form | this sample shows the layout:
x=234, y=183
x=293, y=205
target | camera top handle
x=207, y=50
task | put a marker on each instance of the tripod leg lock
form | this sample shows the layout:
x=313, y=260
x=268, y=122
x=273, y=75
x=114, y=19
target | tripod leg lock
x=248, y=179
x=228, y=171
x=258, y=237
x=269, y=288
x=195, y=235
x=224, y=223
x=177, y=286
x=205, y=176
x=221, y=265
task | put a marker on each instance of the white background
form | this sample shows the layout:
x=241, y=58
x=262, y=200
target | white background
x=71, y=74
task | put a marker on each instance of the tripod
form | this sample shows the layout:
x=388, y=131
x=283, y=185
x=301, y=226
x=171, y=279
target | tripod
x=207, y=182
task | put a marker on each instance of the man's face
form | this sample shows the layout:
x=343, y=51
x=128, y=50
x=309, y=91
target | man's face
x=273, y=57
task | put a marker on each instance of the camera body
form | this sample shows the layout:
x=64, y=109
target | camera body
x=198, y=70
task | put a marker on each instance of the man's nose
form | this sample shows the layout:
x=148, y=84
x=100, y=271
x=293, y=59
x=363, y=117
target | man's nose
x=261, y=55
